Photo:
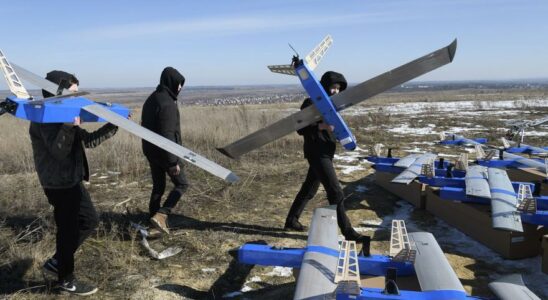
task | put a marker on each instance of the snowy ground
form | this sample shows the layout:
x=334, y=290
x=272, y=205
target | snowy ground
x=470, y=108
x=450, y=239
x=350, y=164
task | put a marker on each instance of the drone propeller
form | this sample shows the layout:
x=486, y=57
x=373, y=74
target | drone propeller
x=7, y=107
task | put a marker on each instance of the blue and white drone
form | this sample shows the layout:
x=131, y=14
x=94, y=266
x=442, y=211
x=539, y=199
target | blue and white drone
x=65, y=106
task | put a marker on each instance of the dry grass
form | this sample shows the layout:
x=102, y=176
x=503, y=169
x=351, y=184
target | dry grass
x=211, y=220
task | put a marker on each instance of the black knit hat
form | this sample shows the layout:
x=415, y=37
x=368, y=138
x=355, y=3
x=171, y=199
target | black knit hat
x=63, y=79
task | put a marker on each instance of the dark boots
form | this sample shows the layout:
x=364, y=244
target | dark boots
x=293, y=224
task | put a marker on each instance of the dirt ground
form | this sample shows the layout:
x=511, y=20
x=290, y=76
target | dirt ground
x=213, y=219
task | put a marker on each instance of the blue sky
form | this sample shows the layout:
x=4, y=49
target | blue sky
x=128, y=43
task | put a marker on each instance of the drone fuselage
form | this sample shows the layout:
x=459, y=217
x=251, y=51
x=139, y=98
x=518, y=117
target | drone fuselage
x=325, y=106
x=62, y=110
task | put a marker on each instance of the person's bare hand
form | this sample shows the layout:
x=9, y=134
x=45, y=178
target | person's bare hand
x=175, y=170
x=325, y=126
x=77, y=122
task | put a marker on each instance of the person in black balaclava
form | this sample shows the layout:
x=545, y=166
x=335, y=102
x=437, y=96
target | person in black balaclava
x=319, y=149
x=61, y=164
x=161, y=115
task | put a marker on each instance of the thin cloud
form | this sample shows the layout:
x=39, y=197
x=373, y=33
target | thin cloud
x=232, y=25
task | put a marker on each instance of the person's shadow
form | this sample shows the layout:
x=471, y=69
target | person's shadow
x=12, y=279
x=231, y=282
x=181, y=222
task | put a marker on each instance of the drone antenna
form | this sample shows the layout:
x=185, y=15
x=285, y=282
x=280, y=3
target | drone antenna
x=296, y=53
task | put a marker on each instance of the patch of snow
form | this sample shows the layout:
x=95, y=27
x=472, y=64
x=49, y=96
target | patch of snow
x=345, y=158
x=414, y=150
x=375, y=222
x=369, y=225
x=471, y=108
x=246, y=288
x=280, y=272
x=535, y=133
x=405, y=129
x=255, y=279
x=349, y=169
x=103, y=177
x=208, y=270
x=361, y=188
x=232, y=294
x=114, y=172
x=447, y=155
x=462, y=129
x=423, y=143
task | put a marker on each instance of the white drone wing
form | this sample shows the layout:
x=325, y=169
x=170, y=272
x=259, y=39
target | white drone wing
x=503, y=201
x=161, y=142
x=414, y=170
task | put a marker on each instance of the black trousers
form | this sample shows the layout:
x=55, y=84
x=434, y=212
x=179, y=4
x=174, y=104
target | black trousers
x=159, y=186
x=76, y=219
x=321, y=170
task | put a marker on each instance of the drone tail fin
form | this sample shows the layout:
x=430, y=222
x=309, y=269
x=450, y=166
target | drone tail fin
x=315, y=56
x=14, y=83
x=312, y=59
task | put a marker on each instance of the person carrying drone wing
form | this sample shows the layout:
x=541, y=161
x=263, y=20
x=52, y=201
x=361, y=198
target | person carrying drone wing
x=161, y=115
x=61, y=164
x=319, y=149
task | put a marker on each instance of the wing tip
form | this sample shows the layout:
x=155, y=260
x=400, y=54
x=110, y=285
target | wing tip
x=452, y=48
x=232, y=178
x=226, y=153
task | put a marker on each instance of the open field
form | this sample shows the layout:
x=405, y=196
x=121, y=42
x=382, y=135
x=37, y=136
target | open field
x=213, y=218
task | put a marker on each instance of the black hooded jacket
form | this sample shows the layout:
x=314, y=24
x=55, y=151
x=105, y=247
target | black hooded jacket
x=321, y=143
x=161, y=115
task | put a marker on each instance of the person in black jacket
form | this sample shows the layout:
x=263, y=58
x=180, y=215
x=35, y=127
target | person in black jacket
x=61, y=164
x=319, y=149
x=161, y=115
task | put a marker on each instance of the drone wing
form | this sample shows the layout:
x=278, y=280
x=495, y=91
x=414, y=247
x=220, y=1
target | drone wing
x=162, y=142
x=503, y=201
x=476, y=182
x=512, y=287
x=414, y=170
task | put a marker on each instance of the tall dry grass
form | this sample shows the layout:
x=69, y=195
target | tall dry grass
x=204, y=128
x=219, y=217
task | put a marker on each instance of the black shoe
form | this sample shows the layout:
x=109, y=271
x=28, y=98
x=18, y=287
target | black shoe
x=365, y=240
x=76, y=287
x=352, y=235
x=51, y=267
x=294, y=225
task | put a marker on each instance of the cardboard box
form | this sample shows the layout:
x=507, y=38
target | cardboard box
x=408, y=283
x=413, y=192
x=475, y=221
x=529, y=175
x=545, y=254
